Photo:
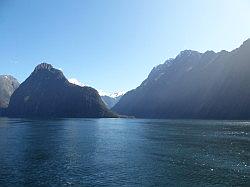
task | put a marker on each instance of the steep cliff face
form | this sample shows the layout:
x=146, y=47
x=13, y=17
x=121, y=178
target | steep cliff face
x=194, y=85
x=47, y=93
x=8, y=85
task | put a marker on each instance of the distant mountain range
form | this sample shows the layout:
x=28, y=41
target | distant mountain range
x=111, y=99
x=8, y=85
x=47, y=93
x=194, y=85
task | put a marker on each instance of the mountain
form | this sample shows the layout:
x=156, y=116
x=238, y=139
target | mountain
x=47, y=93
x=8, y=85
x=111, y=99
x=194, y=85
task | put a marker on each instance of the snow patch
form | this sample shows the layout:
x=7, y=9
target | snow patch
x=76, y=82
x=113, y=95
x=103, y=93
x=117, y=94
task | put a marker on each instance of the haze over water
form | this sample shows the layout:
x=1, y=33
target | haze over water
x=124, y=152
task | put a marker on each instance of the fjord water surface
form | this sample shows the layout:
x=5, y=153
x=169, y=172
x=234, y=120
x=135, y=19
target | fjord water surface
x=124, y=152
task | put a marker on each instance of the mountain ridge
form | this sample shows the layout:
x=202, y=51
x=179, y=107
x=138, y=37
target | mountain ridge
x=194, y=85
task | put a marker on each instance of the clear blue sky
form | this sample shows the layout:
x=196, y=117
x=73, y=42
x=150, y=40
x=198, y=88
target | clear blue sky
x=113, y=44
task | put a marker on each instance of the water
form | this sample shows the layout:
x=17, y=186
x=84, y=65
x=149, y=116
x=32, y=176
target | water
x=124, y=152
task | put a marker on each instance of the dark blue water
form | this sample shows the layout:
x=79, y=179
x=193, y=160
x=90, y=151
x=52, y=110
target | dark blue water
x=124, y=152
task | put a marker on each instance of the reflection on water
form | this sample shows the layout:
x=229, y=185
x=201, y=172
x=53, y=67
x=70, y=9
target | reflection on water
x=128, y=152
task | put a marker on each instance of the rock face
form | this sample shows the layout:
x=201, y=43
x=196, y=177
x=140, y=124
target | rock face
x=8, y=85
x=47, y=93
x=194, y=85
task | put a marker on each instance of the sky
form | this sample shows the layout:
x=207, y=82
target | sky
x=112, y=45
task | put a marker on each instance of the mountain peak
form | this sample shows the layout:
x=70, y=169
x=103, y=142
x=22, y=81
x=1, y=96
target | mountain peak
x=44, y=71
x=188, y=53
x=43, y=66
x=7, y=77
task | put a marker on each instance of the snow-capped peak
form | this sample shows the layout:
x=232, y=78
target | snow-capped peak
x=103, y=93
x=76, y=82
x=117, y=94
x=113, y=95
